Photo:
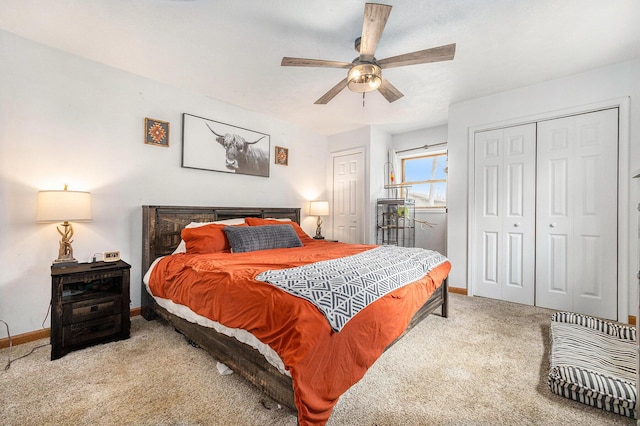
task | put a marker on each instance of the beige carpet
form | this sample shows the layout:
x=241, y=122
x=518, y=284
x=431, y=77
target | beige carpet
x=484, y=365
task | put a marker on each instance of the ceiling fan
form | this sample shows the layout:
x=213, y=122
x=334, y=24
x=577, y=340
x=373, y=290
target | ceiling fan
x=365, y=71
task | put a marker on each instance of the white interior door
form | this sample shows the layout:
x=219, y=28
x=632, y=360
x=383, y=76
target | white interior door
x=348, y=197
x=504, y=193
x=576, y=261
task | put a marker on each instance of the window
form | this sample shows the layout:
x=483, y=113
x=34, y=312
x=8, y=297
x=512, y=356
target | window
x=427, y=177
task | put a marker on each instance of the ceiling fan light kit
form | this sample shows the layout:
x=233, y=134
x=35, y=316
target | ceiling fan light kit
x=365, y=72
x=364, y=78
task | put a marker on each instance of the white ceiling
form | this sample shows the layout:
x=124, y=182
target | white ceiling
x=231, y=49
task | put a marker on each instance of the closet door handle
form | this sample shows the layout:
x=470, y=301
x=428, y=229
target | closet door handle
x=553, y=225
x=516, y=224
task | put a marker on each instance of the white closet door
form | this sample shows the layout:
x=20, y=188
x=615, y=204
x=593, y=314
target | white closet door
x=576, y=260
x=504, y=192
x=348, y=197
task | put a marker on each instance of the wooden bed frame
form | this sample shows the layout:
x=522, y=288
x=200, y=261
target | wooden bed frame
x=161, y=227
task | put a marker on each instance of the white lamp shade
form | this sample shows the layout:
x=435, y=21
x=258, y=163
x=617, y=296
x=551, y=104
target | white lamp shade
x=319, y=208
x=61, y=206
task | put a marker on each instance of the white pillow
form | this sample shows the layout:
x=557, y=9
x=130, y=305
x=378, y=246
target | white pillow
x=182, y=247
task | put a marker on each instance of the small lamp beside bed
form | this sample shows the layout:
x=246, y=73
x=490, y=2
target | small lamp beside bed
x=319, y=208
x=64, y=206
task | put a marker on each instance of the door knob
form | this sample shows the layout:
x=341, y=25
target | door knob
x=516, y=224
x=553, y=225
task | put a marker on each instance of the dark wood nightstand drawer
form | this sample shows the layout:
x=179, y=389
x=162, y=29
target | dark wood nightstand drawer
x=84, y=332
x=91, y=309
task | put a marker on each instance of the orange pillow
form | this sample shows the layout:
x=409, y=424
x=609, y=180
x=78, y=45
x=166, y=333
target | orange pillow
x=206, y=239
x=256, y=221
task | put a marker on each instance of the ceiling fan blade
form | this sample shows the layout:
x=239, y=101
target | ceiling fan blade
x=435, y=54
x=302, y=62
x=332, y=93
x=375, y=18
x=389, y=91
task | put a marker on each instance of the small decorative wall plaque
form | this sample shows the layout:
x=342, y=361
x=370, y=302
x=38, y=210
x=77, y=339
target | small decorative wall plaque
x=282, y=156
x=156, y=132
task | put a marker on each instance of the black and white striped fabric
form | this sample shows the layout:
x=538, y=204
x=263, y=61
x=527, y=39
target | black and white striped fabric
x=340, y=288
x=597, y=390
x=594, y=362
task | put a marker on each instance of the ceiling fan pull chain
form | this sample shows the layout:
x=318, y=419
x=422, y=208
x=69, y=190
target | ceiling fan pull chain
x=363, y=99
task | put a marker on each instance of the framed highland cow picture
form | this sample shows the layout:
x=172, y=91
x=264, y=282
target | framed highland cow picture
x=212, y=145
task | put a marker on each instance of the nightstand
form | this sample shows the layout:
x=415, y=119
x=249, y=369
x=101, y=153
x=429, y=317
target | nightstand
x=90, y=305
x=325, y=239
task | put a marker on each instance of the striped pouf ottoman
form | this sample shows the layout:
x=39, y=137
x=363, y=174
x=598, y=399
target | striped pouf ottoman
x=594, y=362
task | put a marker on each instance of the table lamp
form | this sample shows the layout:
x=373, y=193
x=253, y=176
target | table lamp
x=64, y=206
x=319, y=208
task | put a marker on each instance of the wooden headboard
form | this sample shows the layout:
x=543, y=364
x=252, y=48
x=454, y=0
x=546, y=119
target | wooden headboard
x=161, y=225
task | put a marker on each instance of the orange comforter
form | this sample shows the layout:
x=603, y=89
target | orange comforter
x=323, y=364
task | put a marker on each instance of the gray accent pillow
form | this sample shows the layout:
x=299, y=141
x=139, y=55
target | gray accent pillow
x=251, y=238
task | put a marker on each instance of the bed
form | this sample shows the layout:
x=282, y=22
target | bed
x=162, y=233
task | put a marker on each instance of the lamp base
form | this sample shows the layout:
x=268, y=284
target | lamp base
x=64, y=263
x=65, y=253
x=318, y=235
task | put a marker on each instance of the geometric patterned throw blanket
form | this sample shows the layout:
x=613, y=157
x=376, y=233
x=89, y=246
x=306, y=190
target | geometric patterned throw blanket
x=340, y=288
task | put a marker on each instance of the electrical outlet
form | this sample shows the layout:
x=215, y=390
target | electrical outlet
x=111, y=256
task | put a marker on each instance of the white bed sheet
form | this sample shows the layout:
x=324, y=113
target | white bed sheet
x=239, y=334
